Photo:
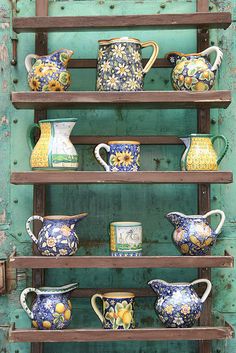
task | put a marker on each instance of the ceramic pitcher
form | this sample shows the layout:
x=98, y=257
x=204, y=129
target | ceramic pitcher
x=126, y=238
x=200, y=153
x=193, y=234
x=120, y=66
x=51, y=309
x=123, y=156
x=178, y=304
x=49, y=72
x=54, y=150
x=57, y=236
x=194, y=72
x=118, y=310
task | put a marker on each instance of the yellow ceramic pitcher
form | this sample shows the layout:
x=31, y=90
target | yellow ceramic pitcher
x=200, y=153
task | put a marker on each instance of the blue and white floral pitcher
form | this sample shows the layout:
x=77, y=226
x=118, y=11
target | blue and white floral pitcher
x=178, y=304
x=51, y=309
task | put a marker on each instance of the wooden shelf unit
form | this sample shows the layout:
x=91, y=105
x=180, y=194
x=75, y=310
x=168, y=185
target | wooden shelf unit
x=76, y=177
x=74, y=23
x=122, y=262
x=160, y=99
x=138, y=334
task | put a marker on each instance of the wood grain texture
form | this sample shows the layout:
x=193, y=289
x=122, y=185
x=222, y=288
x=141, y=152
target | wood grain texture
x=121, y=262
x=70, y=23
x=98, y=335
x=161, y=99
x=71, y=177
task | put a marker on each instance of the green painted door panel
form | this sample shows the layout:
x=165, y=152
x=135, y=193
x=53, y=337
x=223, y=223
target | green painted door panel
x=106, y=203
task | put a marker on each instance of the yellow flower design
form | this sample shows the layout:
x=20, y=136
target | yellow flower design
x=169, y=309
x=185, y=309
x=132, y=84
x=39, y=70
x=51, y=242
x=116, y=159
x=122, y=70
x=55, y=86
x=136, y=56
x=139, y=73
x=105, y=66
x=112, y=81
x=184, y=248
x=100, y=53
x=127, y=158
x=118, y=50
x=34, y=84
x=66, y=230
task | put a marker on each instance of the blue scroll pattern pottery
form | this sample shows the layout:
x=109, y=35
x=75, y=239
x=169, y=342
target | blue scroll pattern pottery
x=193, y=72
x=49, y=72
x=118, y=310
x=57, y=236
x=52, y=308
x=193, y=234
x=123, y=156
x=178, y=304
x=120, y=66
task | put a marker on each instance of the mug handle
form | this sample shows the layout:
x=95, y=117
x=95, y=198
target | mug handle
x=23, y=301
x=222, y=219
x=30, y=136
x=28, y=61
x=99, y=158
x=29, y=231
x=219, y=56
x=95, y=308
x=225, y=149
x=208, y=288
x=153, y=57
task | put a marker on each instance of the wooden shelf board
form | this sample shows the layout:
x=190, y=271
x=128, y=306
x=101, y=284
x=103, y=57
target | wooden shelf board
x=162, y=99
x=101, y=335
x=144, y=140
x=92, y=63
x=71, y=23
x=76, y=177
x=121, y=262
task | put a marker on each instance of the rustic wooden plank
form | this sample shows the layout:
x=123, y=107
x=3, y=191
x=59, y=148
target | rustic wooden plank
x=163, y=99
x=92, y=63
x=121, y=262
x=70, y=23
x=144, y=140
x=101, y=335
x=72, y=177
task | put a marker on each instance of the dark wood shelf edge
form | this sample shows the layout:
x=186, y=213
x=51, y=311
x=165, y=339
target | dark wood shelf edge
x=147, y=334
x=70, y=23
x=226, y=261
x=147, y=177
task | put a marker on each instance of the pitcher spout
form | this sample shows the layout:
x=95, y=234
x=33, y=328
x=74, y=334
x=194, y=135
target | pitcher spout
x=186, y=141
x=173, y=57
x=175, y=217
x=158, y=286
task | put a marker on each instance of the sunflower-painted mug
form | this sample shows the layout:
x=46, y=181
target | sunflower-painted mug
x=118, y=310
x=123, y=156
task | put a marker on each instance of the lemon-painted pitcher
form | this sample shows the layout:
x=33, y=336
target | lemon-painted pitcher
x=200, y=153
x=120, y=65
x=49, y=72
x=54, y=150
x=194, y=72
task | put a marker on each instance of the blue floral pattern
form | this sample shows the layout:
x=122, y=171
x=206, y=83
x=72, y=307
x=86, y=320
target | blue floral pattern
x=119, y=313
x=178, y=305
x=120, y=67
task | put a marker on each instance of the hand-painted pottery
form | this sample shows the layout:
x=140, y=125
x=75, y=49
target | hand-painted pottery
x=193, y=72
x=49, y=72
x=200, y=153
x=178, y=304
x=126, y=238
x=193, y=234
x=54, y=150
x=51, y=309
x=118, y=310
x=123, y=156
x=120, y=66
x=57, y=236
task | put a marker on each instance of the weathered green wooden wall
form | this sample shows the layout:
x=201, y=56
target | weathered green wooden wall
x=106, y=203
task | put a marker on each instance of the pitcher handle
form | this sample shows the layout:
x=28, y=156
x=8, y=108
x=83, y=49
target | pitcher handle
x=29, y=231
x=94, y=306
x=99, y=158
x=225, y=149
x=28, y=61
x=208, y=288
x=219, y=56
x=153, y=57
x=23, y=301
x=30, y=136
x=222, y=219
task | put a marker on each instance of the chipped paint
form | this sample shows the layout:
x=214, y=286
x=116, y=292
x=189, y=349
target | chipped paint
x=2, y=237
x=4, y=53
